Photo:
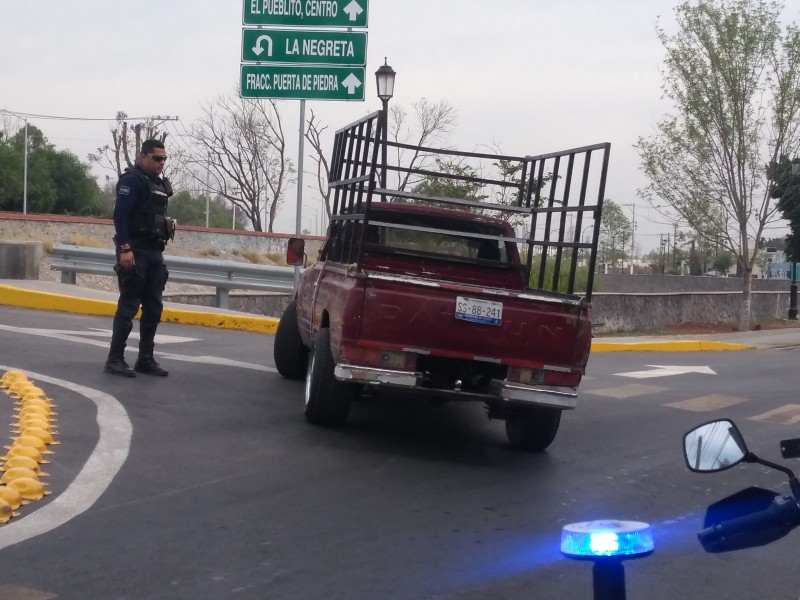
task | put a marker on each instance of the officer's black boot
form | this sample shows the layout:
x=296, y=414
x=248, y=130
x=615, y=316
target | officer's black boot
x=116, y=365
x=148, y=365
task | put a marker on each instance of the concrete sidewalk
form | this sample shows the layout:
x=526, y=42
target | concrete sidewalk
x=49, y=295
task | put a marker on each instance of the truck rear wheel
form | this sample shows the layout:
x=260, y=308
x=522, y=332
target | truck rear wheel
x=291, y=357
x=533, y=428
x=327, y=400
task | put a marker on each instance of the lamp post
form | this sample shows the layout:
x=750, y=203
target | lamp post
x=795, y=246
x=633, y=231
x=24, y=162
x=384, y=78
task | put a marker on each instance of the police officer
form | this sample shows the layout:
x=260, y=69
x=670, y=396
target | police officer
x=142, y=230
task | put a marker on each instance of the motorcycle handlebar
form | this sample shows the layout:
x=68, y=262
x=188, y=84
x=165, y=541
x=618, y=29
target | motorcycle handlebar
x=755, y=529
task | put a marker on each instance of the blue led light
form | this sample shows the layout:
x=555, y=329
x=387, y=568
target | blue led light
x=606, y=538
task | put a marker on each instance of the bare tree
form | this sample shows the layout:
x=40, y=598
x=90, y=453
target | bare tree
x=242, y=145
x=313, y=134
x=127, y=137
x=433, y=122
x=733, y=77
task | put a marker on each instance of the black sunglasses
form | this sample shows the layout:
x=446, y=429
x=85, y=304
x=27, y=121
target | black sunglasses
x=157, y=158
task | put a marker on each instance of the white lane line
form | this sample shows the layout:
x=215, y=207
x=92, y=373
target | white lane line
x=101, y=467
x=216, y=360
x=205, y=360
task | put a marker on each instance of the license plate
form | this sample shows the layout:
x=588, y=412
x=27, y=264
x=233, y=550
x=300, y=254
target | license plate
x=479, y=311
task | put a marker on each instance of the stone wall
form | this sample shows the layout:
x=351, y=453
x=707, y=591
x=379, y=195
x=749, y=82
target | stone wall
x=622, y=302
x=189, y=240
x=629, y=312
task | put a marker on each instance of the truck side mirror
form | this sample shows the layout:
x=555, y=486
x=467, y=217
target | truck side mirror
x=295, y=252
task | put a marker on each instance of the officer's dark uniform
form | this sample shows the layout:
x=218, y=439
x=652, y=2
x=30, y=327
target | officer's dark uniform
x=140, y=221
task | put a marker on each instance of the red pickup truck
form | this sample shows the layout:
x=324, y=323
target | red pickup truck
x=431, y=295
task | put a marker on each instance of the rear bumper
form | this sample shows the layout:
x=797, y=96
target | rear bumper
x=564, y=398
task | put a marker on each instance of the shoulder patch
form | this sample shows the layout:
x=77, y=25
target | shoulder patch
x=124, y=190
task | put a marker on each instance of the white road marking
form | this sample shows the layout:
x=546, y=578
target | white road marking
x=105, y=461
x=216, y=360
x=70, y=336
x=666, y=371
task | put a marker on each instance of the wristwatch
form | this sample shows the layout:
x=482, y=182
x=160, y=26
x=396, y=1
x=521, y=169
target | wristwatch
x=123, y=248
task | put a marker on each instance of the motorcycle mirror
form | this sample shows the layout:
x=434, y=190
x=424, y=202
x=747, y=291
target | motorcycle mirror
x=714, y=446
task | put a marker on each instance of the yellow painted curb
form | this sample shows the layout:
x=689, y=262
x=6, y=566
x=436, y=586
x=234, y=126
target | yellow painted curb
x=667, y=346
x=11, y=296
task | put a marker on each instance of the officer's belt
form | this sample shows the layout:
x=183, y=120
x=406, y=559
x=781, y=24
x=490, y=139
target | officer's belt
x=147, y=244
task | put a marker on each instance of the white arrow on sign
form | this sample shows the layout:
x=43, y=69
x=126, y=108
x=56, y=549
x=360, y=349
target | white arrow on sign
x=353, y=10
x=665, y=371
x=351, y=82
x=257, y=49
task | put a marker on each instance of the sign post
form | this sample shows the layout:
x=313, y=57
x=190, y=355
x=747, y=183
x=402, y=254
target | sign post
x=283, y=56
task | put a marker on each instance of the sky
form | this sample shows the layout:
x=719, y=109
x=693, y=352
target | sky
x=528, y=76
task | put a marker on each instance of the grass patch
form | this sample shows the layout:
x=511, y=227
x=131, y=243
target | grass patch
x=90, y=241
x=209, y=251
x=251, y=255
x=581, y=276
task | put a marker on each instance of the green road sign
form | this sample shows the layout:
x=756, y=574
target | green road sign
x=301, y=46
x=306, y=13
x=303, y=82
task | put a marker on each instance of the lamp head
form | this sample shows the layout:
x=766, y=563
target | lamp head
x=384, y=77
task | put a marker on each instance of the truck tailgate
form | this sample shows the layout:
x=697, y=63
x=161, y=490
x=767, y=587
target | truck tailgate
x=412, y=313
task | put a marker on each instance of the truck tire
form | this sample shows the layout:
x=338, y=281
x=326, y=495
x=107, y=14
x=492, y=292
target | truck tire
x=327, y=401
x=533, y=428
x=291, y=357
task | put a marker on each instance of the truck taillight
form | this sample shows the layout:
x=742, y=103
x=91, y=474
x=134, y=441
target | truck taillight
x=543, y=376
x=561, y=378
x=375, y=357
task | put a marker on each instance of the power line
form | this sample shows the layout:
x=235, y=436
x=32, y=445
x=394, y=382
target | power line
x=62, y=118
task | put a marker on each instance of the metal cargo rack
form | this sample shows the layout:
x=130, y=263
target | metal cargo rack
x=554, y=199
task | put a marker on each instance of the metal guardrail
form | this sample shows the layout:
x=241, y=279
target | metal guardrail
x=224, y=275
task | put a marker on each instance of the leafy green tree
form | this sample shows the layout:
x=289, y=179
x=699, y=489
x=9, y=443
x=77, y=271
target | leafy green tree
x=188, y=209
x=732, y=73
x=723, y=262
x=615, y=233
x=456, y=181
x=57, y=181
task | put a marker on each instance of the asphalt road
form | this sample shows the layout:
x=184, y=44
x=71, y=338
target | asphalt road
x=210, y=484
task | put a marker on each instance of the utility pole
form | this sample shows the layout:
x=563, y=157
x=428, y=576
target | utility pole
x=633, y=231
x=675, y=247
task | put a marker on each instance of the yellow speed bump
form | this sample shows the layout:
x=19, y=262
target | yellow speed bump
x=31, y=391
x=15, y=473
x=40, y=433
x=25, y=451
x=30, y=440
x=10, y=377
x=6, y=512
x=11, y=496
x=29, y=488
x=34, y=421
x=42, y=411
x=41, y=403
x=17, y=386
x=23, y=461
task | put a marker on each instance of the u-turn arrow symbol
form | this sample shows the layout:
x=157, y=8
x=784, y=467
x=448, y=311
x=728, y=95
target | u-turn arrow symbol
x=257, y=49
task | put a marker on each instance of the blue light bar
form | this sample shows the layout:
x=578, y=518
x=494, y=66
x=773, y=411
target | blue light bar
x=606, y=539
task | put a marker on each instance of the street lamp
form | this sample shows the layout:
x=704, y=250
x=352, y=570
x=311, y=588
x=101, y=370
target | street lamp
x=25, y=163
x=384, y=78
x=795, y=246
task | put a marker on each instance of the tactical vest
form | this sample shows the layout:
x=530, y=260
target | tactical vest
x=149, y=218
